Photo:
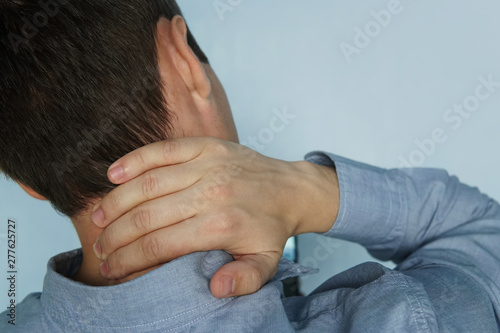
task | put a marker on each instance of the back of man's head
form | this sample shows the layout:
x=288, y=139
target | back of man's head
x=80, y=88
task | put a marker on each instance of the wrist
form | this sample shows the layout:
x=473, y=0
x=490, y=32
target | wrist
x=320, y=198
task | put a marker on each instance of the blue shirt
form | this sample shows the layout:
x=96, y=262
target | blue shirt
x=444, y=236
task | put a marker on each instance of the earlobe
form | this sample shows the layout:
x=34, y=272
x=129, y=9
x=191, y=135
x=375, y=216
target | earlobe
x=31, y=192
x=188, y=65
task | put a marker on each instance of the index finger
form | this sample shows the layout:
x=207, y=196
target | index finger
x=158, y=154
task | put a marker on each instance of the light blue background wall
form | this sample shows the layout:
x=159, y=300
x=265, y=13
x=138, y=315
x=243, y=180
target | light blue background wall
x=286, y=54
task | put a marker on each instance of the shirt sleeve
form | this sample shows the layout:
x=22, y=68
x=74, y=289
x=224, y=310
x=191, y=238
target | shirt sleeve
x=418, y=218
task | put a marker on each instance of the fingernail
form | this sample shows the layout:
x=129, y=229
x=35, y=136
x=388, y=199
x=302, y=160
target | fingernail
x=104, y=268
x=227, y=286
x=97, y=250
x=98, y=217
x=116, y=173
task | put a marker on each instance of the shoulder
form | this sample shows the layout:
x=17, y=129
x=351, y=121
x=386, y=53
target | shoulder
x=424, y=299
x=460, y=301
x=365, y=297
x=23, y=317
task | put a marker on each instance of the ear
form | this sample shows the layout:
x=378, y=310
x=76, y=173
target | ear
x=31, y=192
x=172, y=38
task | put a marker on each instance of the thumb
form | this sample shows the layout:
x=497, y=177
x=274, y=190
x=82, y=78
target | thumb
x=244, y=276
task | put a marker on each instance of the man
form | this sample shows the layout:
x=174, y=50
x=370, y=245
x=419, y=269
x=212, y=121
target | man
x=104, y=78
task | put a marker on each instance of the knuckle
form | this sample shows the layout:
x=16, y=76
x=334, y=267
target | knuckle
x=151, y=247
x=111, y=203
x=150, y=185
x=220, y=147
x=211, y=141
x=142, y=219
x=105, y=242
x=253, y=278
x=222, y=223
x=140, y=158
x=115, y=266
x=170, y=148
x=219, y=192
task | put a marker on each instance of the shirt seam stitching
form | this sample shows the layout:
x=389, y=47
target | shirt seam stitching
x=408, y=291
x=59, y=315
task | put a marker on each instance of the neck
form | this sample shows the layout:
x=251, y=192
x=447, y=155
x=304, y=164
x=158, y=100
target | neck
x=89, y=270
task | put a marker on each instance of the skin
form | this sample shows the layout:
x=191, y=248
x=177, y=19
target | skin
x=200, y=191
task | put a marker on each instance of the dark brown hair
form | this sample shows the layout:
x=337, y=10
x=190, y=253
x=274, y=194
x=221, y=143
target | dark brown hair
x=79, y=88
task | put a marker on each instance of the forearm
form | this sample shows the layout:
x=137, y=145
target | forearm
x=395, y=212
x=424, y=220
x=316, y=198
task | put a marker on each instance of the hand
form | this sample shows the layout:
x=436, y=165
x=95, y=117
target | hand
x=197, y=194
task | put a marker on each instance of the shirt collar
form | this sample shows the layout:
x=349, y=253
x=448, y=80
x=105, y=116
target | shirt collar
x=179, y=292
